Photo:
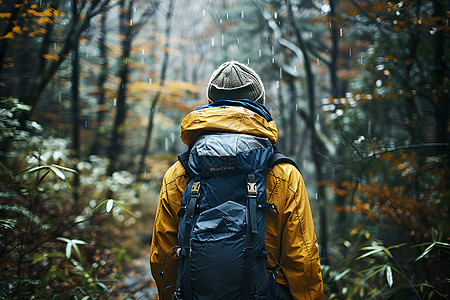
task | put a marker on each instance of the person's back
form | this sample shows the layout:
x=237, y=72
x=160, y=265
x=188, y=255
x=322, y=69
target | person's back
x=289, y=233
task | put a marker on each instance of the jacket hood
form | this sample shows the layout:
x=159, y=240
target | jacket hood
x=227, y=118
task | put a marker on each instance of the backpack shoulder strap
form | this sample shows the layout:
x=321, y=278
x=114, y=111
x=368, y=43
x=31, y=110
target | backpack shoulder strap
x=184, y=159
x=279, y=157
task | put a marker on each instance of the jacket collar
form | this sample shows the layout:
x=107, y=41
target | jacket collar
x=229, y=117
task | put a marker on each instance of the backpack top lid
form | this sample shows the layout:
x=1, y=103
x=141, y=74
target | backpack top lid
x=224, y=154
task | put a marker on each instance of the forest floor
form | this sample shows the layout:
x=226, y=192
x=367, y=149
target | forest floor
x=138, y=282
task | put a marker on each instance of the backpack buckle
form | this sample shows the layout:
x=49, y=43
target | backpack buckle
x=195, y=187
x=251, y=188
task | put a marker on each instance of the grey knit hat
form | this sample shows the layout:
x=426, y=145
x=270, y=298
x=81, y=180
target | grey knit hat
x=233, y=80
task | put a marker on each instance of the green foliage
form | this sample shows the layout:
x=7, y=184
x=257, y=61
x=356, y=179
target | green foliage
x=370, y=270
x=52, y=247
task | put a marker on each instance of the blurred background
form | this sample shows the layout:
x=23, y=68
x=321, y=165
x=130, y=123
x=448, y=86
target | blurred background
x=93, y=93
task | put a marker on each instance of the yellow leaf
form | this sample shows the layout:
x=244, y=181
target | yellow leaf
x=50, y=56
x=9, y=35
x=17, y=29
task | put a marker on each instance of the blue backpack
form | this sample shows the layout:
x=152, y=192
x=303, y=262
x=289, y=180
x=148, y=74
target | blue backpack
x=222, y=218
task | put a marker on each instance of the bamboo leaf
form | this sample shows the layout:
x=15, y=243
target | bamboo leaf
x=109, y=205
x=77, y=251
x=426, y=251
x=369, y=253
x=98, y=206
x=36, y=168
x=389, y=277
x=58, y=172
x=64, y=168
x=124, y=207
x=63, y=239
x=69, y=249
x=376, y=270
x=434, y=234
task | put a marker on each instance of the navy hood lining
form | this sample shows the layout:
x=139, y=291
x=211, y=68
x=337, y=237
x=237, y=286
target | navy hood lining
x=258, y=108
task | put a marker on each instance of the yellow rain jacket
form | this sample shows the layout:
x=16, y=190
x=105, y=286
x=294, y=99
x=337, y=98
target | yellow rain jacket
x=290, y=233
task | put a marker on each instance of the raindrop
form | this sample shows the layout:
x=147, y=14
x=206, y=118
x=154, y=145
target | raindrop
x=361, y=60
x=295, y=69
x=166, y=144
x=203, y=12
x=310, y=35
x=350, y=52
x=273, y=60
x=316, y=196
x=131, y=22
x=273, y=50
x=54, y=46
x=277, y=84
x=317, y=61
x=317, y=118
x=223, y=40
x=281, y=73
x=115, y=101
x=85, y=123
x=378, y=83
x=150, y=81
x=143, y=51
x=237, y=41
x=275, y=15
x=248, y=61
x=296, y=107
x=227, y=16
x=220, y=21
x=212, y=42
x=172, y=136
x=259, y=52
x=242, y=14
x=340, y=31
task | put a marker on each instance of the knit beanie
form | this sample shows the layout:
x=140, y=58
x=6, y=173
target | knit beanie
x=233, y=80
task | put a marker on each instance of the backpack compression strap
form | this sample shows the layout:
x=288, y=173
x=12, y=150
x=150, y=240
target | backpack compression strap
x=279, y=157
x=251, y=230
x=189, y=218
x=184, y=159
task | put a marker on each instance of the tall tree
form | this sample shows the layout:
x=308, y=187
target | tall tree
x=99, y=135
x=156, y=99
x=129, y=28
x=75, y=102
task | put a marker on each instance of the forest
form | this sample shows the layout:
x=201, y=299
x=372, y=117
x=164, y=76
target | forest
x=92, y=94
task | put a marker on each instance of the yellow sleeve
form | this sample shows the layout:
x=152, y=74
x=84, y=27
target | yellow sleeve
x=165, y=231
x=290, y=234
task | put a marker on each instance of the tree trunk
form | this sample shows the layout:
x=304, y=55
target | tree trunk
x=316, y=144
x=148, y=136
x=75, y=105
x=121, y=107
x=97, y=146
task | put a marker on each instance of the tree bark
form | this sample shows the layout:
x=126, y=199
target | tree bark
x=99, y=139
x=75, y=105
x=316, y=143
x=117, y=135
x=156, y=99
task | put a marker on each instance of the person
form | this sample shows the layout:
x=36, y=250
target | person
x=289, y=232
